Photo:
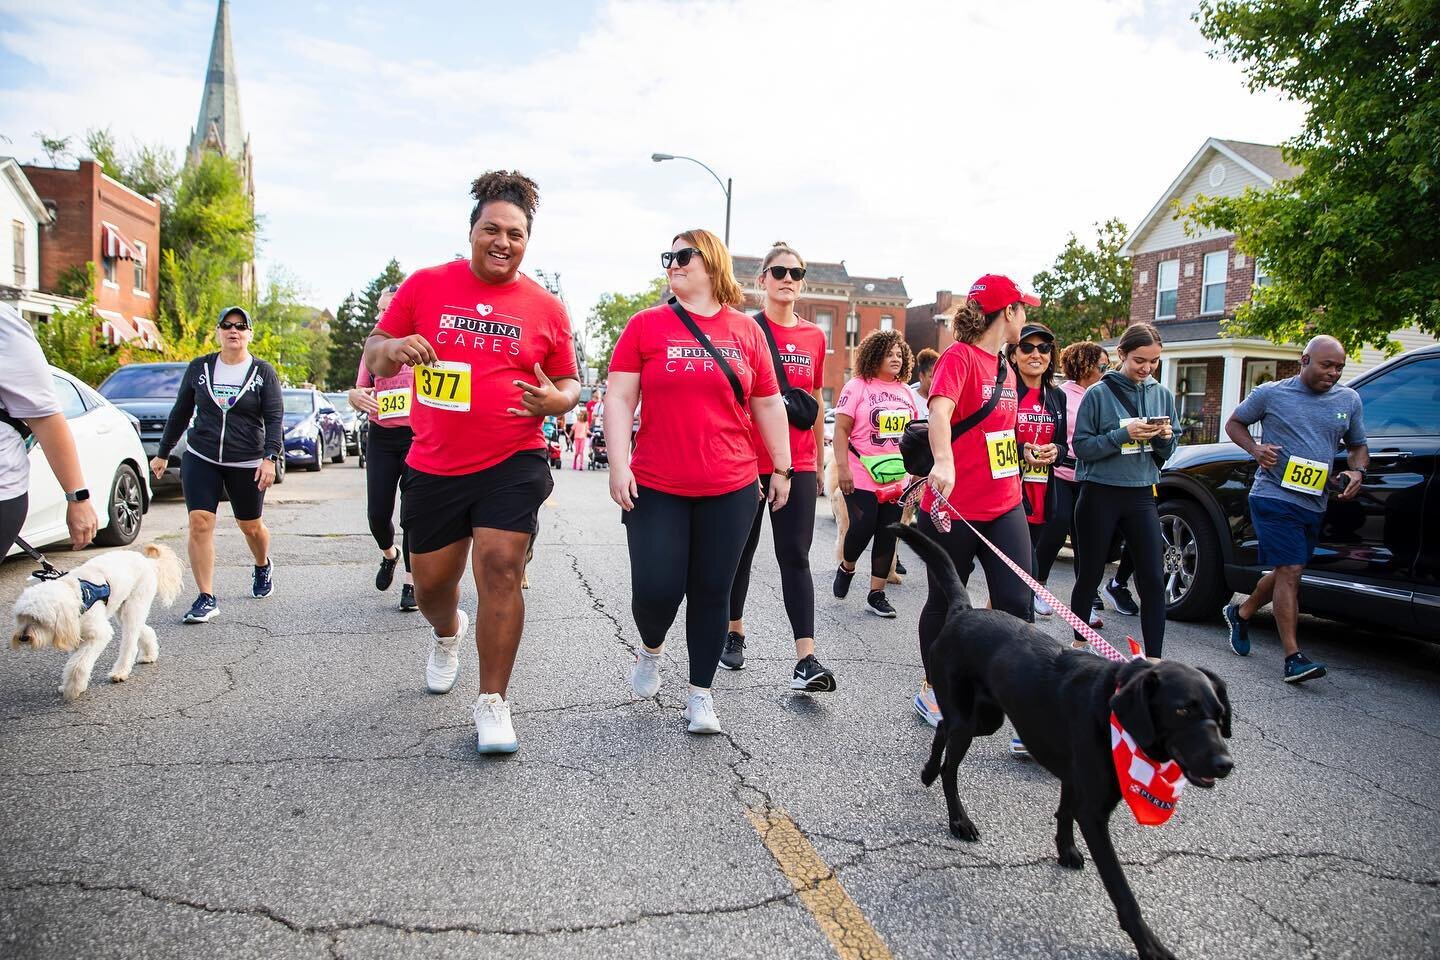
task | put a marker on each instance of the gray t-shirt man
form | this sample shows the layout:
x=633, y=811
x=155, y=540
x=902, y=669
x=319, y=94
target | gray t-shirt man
x=1304, y=424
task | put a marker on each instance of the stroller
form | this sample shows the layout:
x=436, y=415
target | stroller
x=597, y=458
x=552, y=442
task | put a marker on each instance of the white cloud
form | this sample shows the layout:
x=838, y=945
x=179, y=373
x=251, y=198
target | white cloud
x=937, y=140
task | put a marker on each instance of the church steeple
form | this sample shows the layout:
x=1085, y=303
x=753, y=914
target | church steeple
x=219, y=127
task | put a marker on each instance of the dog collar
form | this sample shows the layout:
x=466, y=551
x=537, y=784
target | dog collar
x=92, y=593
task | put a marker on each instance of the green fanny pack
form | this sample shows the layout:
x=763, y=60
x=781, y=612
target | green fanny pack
x=882, y=467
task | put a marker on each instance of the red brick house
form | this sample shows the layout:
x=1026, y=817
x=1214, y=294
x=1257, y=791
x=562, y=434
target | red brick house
x=98, y=220
x=846, y=308
x=928, y=324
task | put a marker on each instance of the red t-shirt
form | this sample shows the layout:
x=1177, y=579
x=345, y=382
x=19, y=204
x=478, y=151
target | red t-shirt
x=486, y=337
x=802, y=348
x=694, y=439
x=1034, y=424
x=987, y=466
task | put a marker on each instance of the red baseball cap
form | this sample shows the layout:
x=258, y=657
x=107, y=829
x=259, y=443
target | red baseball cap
x=995, y=292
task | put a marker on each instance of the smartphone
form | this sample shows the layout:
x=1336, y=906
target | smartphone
x=1337, y=484
x=1153, y=421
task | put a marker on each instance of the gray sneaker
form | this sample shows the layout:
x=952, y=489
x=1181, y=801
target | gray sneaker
x=444, y=664
x=700, y=711
x=645, y=675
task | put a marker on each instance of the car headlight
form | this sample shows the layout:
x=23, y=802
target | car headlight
x=305, y=429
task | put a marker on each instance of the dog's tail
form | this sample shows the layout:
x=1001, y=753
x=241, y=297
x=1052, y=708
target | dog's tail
x=167, y=571
x=939, y=563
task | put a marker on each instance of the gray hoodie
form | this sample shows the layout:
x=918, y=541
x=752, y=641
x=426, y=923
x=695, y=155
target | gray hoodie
x=1103, y=449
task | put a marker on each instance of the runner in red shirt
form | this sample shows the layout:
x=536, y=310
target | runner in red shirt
x=801, y=348
x=493, y=357
x=689, y=490
x=978, y=471
x=1039, y=430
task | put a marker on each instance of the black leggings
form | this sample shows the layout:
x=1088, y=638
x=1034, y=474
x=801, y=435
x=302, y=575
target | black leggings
x=1061, y=524
x=12, y=518
x=687, y=548
x=1100, y=511
x=1007, y=592
x=793, y=529
x=385, y=450
x=870, y=518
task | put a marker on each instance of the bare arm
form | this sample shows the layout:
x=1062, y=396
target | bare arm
x=622, y=395
x=819, y=430
x=942, y=475
x=57, y=443
x=1266, y=454
x=844, y=423
x=1357, y=459
x=769, y=414
x=385, y=355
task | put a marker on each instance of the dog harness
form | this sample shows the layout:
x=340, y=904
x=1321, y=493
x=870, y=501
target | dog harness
x=92, y=593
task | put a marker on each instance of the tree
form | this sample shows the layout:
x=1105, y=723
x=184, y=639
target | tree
x=57, y=149
x=1351, y=244
x=71, y=341
x=609, y=316
x=355, y=320
x=148, y=170
x=1087, y=292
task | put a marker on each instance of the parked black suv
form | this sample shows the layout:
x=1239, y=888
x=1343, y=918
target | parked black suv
x=1379, y=555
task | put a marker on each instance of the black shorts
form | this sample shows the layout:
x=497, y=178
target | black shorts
x=437, y=511
x=203, y=482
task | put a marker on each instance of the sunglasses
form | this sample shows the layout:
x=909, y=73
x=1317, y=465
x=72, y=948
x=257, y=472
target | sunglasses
x=1028, y=348
x=1102, y=367
x=679, y=257
x=796, y=273
x=227, y=325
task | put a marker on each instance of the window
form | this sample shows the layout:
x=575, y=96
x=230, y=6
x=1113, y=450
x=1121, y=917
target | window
x=1404, y=402
x=1262, y=276
x=109, y=269
x=825, y=320
x=887, y=322
x=141, y=255
x=1258, y=372
x=1167, y=289
x=17, y=233
x=828, y=393
x=70, y=403
x=1190, y=380
x=1212, y=299
x=852, y=329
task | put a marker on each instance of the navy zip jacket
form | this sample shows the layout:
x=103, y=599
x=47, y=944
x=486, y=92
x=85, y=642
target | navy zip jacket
x=250, y=427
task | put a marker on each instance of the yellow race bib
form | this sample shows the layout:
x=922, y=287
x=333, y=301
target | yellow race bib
x=1004, y=454
x=393, y=403
x=1036, y=473
x=444, y=384
x=1305, y=476
x=891, y=424
x=1133, y=446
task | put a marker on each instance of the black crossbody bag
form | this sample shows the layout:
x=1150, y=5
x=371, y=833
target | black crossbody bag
x=800, y=407
x=1130, y=408
x=915, y=441
x=704, y=341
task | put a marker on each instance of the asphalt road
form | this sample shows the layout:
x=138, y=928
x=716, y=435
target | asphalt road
x=280, y=785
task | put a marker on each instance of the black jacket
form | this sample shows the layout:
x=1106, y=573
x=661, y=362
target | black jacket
x=251, y=427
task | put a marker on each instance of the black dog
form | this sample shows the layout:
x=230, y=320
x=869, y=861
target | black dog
x=986, y=665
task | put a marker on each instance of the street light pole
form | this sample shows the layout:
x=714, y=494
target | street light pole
x=726, y=185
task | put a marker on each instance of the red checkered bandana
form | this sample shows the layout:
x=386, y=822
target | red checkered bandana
x=1151, y=790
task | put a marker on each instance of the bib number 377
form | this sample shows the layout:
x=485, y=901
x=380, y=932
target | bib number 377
x=444, y=384
x=1305, y=476
x=1004, y=454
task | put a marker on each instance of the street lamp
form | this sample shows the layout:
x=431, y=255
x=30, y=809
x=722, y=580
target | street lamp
x=724, y=185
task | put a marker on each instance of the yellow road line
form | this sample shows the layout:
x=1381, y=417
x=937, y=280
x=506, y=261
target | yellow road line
x=820, y=890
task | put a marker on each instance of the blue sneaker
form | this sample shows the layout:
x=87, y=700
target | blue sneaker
x=1299, y=668
x=264, y=580
x=203, y=609
x=1017, y=749
x=1239, y=630
x=926, y=706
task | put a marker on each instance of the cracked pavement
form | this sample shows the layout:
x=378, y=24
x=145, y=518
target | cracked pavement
x=280, y=784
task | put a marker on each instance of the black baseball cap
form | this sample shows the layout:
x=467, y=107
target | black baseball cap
x=1035, y=330
x=229, y=310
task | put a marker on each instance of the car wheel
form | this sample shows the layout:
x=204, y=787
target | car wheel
x=1194, y=576
x=125, y=507
x=280, y=471
x=340, y=455
x=319, y=455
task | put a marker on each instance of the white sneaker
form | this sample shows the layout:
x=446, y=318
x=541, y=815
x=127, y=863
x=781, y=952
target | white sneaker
x=645, y=676
x=700, y=711
x=1042, y=609
x=444, y=663
x=493, y=731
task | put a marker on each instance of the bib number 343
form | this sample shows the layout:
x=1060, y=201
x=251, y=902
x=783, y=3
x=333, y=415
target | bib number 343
x=444, y=384
x=1004, y=454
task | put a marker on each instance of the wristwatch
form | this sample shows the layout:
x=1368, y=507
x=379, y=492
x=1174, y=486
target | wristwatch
x=79, y=496
x=273, y=457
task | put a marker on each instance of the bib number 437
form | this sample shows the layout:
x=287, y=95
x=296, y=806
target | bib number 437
x=444, y=384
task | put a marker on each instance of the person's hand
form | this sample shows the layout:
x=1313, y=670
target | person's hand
x=363, y=400
x=1038, y=455
x=1267, y=455
x=843, y=477
x=411, y=350
x=622, y=486
x=157, y=467
x=542, y=399
x=942, y=477
x=820, y=484
x=1352, y=487
x=779, y=491
x=265, y=474
x=1140, y=430
x=80, y=518
x=1048, y=453
x=1166, y=430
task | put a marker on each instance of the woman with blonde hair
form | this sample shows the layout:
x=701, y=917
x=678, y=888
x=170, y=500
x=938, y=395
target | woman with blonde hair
x=689, y=486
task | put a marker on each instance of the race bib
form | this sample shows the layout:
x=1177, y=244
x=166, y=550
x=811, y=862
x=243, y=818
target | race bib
x=1004, y=455
x=1133, y=446
x=891, y=424
x=1036, y=473
x=393, y=403
x=444, y=384
x=1305, y=476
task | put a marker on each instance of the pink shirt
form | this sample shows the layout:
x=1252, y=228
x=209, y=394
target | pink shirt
x=1074, y=393
x=393, y=394
x=880, y=410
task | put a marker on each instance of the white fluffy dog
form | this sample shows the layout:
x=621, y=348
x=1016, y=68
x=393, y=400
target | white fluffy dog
x=49, y=613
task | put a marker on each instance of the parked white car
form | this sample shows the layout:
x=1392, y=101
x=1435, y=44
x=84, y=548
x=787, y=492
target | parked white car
x=112, y=459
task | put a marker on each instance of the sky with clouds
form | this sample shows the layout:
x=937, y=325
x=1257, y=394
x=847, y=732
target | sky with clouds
x=931, y=140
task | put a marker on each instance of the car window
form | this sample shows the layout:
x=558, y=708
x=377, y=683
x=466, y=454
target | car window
x=70, y=403
x=1405, y=401
x=299, y=401
x=142, y=380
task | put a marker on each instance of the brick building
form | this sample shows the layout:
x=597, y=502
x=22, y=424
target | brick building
x=846, y=308
x=95, y=219
x=928, y=325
